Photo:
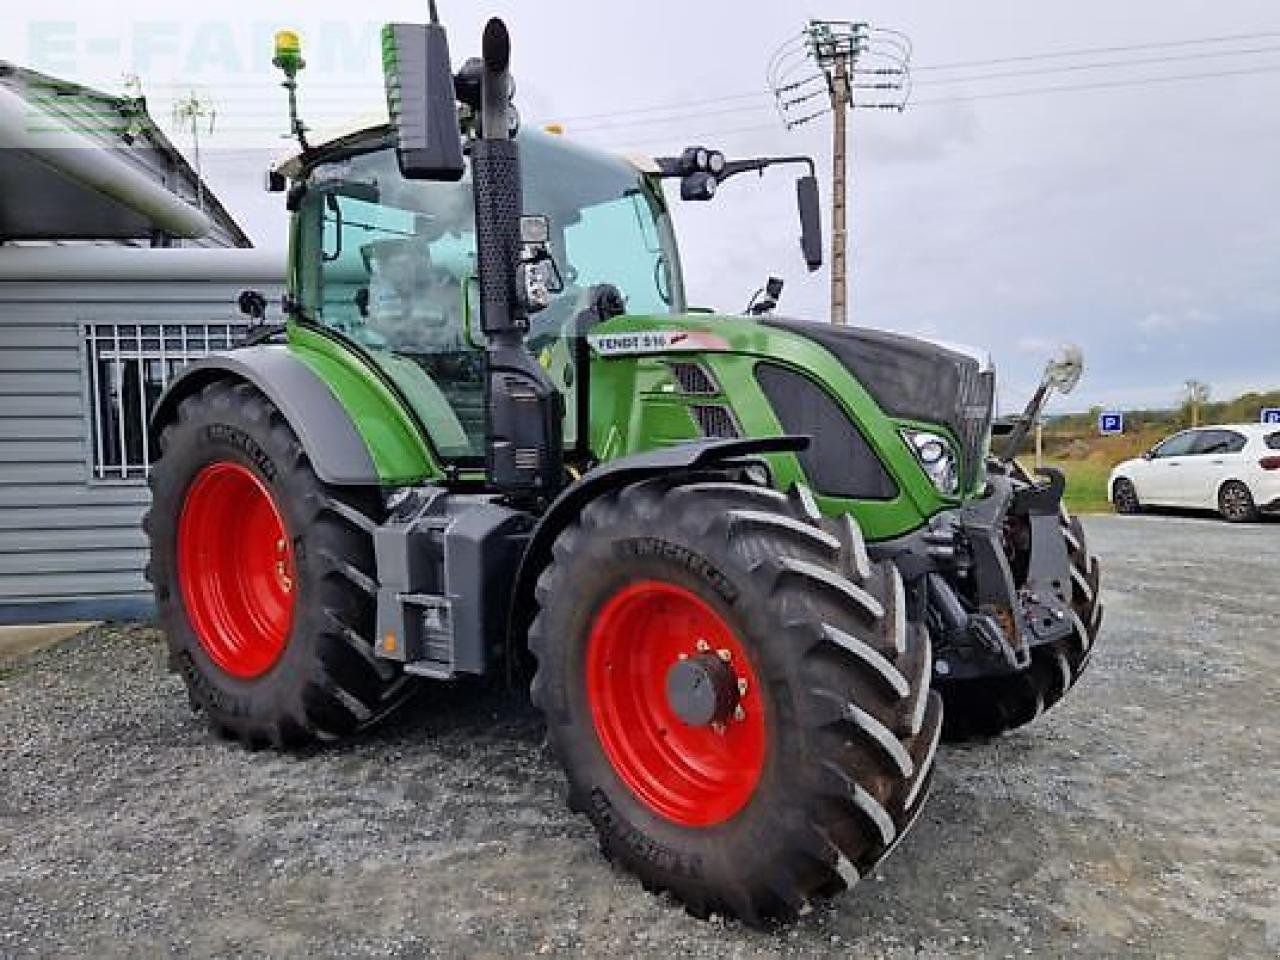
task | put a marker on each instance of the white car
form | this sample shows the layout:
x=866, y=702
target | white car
x=1234, y=469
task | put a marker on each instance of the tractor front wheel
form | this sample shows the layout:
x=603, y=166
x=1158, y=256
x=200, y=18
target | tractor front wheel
x=734, y=690
x=261, y=575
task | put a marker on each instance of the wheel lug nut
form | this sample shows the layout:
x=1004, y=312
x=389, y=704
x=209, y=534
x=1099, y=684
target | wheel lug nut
x=739, y=714
x=742, y=686
x=724, y=655
x=718, y=727
x=702, y=646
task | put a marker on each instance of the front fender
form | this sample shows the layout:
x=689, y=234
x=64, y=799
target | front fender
x=609, y=476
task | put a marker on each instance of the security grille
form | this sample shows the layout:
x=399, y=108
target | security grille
x=129, y=366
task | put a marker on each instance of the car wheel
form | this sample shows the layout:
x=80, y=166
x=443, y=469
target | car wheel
x=1125, y=497
x=1235, y=503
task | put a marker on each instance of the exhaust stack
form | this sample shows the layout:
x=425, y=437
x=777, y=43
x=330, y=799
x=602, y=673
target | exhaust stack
x=525, y=448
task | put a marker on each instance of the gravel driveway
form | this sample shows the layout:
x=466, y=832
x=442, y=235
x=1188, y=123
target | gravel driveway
x=1140, y=818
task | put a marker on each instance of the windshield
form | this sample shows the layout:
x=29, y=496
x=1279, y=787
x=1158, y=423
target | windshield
x=390, y=263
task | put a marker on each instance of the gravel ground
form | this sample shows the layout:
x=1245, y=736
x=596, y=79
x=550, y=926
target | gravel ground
x=1140, y=818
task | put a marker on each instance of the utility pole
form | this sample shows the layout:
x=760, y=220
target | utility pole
x=1197, y=394
x=834, y=60
x=839, y=194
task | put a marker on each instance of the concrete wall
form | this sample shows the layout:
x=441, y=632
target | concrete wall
x=70, y=542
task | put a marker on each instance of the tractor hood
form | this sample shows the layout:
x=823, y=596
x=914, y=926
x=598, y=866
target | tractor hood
x=914, y=379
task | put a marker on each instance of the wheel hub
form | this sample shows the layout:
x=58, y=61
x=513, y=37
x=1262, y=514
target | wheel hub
x=236, y=569
x=702, y=690
x=676, y=703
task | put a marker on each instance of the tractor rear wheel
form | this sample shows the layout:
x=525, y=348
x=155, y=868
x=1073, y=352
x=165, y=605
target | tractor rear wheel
x=739, y=702
x=262, y=577
x=989, y=706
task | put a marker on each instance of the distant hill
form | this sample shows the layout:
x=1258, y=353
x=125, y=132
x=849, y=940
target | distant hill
x=1243, y=409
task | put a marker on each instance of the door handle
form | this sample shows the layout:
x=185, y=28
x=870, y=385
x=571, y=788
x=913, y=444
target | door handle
x=1217, y=463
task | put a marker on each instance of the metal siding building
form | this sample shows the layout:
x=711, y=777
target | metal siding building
x=88, y=337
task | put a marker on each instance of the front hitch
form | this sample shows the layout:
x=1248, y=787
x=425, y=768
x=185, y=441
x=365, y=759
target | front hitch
x=1007, y=598
x=1046, y=591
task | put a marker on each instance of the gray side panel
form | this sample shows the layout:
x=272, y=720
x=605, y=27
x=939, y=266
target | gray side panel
x=69, y=548
x=71, y=544
x=335, y=447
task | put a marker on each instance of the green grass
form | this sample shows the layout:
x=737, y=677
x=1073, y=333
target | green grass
x=1086, y=484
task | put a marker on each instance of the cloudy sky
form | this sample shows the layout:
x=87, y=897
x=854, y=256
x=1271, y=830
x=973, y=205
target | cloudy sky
x=1138, y=216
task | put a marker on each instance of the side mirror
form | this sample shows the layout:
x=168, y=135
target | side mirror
x=421, y=101
x=810, y=221
x=1063, y=372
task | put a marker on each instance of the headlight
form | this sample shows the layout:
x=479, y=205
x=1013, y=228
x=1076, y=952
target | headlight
x=937, y=457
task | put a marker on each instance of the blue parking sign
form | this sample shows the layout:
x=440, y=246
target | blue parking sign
x=1271, y=415
x=1111, y=423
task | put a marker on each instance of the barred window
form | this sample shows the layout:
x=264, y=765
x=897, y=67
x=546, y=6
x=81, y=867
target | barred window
x=129, y=366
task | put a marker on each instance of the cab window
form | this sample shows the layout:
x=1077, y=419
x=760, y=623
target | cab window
x=391, y=264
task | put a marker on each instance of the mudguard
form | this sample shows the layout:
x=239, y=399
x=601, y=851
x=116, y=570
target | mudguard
x=334, y=446
x=609, y=476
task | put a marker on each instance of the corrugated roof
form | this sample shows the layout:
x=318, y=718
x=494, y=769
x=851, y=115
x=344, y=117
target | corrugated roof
x=80, y=164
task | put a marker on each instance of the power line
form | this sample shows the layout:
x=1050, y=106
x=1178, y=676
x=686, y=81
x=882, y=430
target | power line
x=1086, y=51
x=998, y=95
x=662, y=108
x=693, y=112
x=1104, y=65
x=1101, y=85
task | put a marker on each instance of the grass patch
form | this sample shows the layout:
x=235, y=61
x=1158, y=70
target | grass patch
x=1086, y=484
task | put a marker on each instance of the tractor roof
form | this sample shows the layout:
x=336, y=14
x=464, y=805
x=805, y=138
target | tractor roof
x=371, y=134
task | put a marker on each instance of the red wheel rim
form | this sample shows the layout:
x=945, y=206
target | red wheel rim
x=696, y=776
x=235, y=568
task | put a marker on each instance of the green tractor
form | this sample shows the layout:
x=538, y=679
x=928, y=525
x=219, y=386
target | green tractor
x=744, y=560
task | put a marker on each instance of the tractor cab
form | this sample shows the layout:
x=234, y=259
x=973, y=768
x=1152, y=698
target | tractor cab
x=390, y=264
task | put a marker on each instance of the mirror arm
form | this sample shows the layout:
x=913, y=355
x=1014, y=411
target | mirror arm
x=671, y=168
x=1035, y=406
x=760, y=164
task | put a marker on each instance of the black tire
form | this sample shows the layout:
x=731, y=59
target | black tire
x=989, y=706
x=1235, y=503
x=851, y=726
x=1124, y=497
x=326, y=683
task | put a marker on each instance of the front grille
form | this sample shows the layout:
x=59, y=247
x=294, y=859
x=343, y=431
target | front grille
x=715, y=421
x=693, y=379
x=973, y=424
